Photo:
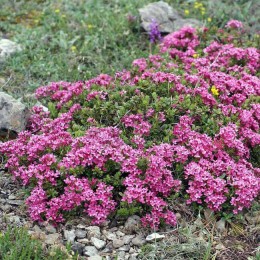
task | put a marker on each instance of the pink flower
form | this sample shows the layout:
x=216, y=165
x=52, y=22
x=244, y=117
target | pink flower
x=234, y=24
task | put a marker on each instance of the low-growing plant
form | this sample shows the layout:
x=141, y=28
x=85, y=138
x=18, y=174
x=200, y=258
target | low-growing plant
x=182, y=122
x=17, y=244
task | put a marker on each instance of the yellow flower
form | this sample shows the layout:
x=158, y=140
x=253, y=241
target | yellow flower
x=202, y=12
x=209, y=19
x=73, y=48
x=195, y=55
x=90, y=26
x=214, y=91
x=197, y=5
x=57, y=11
x=186, y=12
x=63, y=16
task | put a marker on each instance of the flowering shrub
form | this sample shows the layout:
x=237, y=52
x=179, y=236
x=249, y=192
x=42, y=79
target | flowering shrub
x=183, y=122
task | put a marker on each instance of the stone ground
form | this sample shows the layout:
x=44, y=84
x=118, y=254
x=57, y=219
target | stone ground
x=123, y=241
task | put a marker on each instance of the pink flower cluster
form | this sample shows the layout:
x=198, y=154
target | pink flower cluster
x=216, y=168
x=140, y=126
x=234, y=24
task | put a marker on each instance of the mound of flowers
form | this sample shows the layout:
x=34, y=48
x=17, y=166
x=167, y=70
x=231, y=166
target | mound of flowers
x=181, y=123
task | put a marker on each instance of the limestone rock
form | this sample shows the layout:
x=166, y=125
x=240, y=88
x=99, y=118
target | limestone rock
x=13, y=114
x=80, y=233
x=50, y=229
x=127, y=239
x=52, y=239
x=70, y=235
x=189, y=22
x=15, y=202
x=99, y=244
x=78, y=248
x=7, y=48
x=110, y=236
x=154, y=236
x=162, y=13
x=138, y=241
x=133, y=224
x=90, y=251
x=118, y=243
x=95, y=257
x=220, y=225
x=167, y=18
x=121, y=255
x=124, y=248
x=93, y=231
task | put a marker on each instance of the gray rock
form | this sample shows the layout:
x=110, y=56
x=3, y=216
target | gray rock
x=7, y=48
x=15, y=202
x=133, y=256
x=36, y=228
x=127, y=239
x=110, y=236
x=162, y=13
x=220, y=225
x=80, y=226
x=167, y=18
x=15, y=220
x=132, y=251
x=121, y=255
x=99, y=244
x=190, y=22
x=80, y=233
x=138, y=241
x=93, y=231
x=11, y=197
x=118, y=243
x=120, y=234
x=52, y=239
x=78, y=248
x=90, y=251
x=178, y=216
x=70, y=235
x=83, y=241
x=154, y=236
x=124, y=248
x=50, y=229
x=133, y=224
x=106, y=251
x=114, y=229
x=13, y=116
x=95, y=257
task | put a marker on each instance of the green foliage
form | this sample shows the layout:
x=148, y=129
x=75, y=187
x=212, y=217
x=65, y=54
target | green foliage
x=16, y=244
x=127, y=210
x=76, y=40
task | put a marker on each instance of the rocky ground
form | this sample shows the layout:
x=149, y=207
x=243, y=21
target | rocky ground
x=124, y=240
x=91, y=242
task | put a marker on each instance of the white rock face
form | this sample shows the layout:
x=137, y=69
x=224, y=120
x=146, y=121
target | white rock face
x=7, y=48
